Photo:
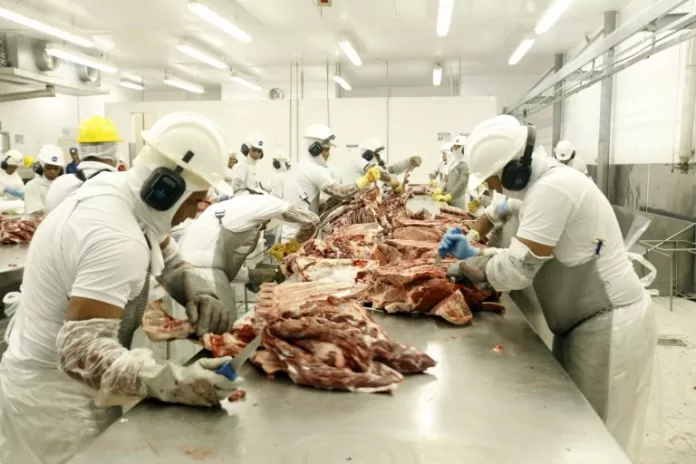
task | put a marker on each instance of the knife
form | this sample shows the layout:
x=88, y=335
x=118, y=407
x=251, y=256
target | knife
x=231, y=368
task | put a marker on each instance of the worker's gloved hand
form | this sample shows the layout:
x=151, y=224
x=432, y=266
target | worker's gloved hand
x=436, y=192
x=473, y=236
x=456, y=244
x=432, y=183
x=446, y=197
x=209, y=315
x=415, y=161
x=474, y=205
x=472, y=269
x=265, y=275
x=372, y=175
x=280, y=250
x=500, y=213
x=194, y=385
x=293, y=246
x=12, y=191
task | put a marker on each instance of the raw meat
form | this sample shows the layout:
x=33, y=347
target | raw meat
x=237, y=396
x=17, y=231
x=308, y=269
x=414, y=249
x=159, y=326
x=417, y=286
x=425, y=234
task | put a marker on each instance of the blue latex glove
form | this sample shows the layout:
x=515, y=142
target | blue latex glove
x=14, y=192
x=456, y=244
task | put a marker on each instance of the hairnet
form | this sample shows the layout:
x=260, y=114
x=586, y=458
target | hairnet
x=103, y=151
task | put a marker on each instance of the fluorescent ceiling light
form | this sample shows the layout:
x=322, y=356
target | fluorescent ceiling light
x=437, y=76
x=350, y=52
x=218, y=21
x=444, y=17
x=551, y=15
x=201, y=56
x=65, y=53
x=132, y=77
x=45, y=28
x=132, y=85
x=246, y=83
x=343, y=83
x=522, y=50
x=184, y=85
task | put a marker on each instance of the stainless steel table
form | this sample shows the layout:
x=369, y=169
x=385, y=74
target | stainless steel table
x=477, y=406
x=12, y=258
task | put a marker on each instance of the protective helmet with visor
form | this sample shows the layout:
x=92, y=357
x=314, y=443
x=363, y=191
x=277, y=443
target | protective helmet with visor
x=11, y=158
x=192, y=150
x=371, y=148
x=494, y=144
x=319, y=136
x=280, y=160
x=564, y=151
x=98, y=138
x=458, y=144
x=253, y=141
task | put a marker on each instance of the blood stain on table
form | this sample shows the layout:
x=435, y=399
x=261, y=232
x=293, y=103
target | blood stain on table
x=198, y=454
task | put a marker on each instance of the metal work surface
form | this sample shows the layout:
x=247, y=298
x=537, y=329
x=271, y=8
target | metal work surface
x=12, y=257
x=476, y=406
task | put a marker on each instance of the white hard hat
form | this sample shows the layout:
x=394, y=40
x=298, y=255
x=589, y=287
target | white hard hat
x=255, y=140
x=320, y=132
x=13, y=157
x=447, y=146
x=177, y=134
x=372, y=144
x=459, y=140
x=51, y=154
x=280, y=155
x=564, y=150
x=492, y=145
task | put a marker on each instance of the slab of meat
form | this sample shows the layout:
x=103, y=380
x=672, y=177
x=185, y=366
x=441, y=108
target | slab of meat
x=417, y=287
x=340, y=247
x=371, y=230
x=309, y=269
x=454, y=211
x=424, y=234
x=159, y=326
x=414, y=249
x=16, y=231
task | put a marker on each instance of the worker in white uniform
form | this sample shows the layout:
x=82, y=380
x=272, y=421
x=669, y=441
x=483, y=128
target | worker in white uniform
x=281, y=166
x=244, y=176
x=311, y=176
x=455, y=191
x=371, y=151
x=570, y=248
x=565, y=153
x=438, y=177
x=11, y=185
x=97, y=148
x=51, y=165
x=219, y=241
x=69, y=366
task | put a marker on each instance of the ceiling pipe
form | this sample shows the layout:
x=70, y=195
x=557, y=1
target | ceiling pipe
x=49, y=91
x=686, y=138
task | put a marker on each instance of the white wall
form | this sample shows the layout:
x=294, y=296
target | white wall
x=407, y=126
x=506, y=88
x=646, y=111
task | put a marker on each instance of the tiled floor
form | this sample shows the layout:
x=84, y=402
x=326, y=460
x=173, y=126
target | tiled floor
x=671, y=427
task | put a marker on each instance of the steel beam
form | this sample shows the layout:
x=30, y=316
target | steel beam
x=606, y=103
x=601, y=47
x=558, y=106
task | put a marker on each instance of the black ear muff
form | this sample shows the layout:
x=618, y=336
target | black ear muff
x=368, y=155
x=517, y=173
x=276, y=164
x=164, y=187
x=572, y=157
x=245, y=149
x=38, y=169
x=3, y=165
x=315, y=149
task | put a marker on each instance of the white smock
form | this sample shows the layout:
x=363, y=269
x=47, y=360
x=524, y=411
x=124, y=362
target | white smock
x=13, y=181
x=278, y=182
x=35, y=193
x=303, y=187
x=579, y=165
x=457, y=181
x=595, y=305
x=63, y=186
x=244, y=175
x=93, y=245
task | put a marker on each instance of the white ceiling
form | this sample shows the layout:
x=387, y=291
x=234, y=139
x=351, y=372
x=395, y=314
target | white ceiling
x=483, y=35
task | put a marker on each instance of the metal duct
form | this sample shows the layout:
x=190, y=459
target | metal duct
x=686, y=138
x=49, y=91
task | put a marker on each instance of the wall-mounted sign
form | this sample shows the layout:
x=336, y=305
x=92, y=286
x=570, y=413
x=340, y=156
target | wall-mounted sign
x=19, y=138
x=444, y=136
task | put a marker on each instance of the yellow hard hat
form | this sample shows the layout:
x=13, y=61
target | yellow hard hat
x=98, y=129
x=28, y=161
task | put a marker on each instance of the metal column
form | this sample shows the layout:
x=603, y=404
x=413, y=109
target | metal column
x=605, y=116
x=558, y=106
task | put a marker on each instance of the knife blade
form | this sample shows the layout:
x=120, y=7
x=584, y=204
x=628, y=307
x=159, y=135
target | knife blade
x=231, y=368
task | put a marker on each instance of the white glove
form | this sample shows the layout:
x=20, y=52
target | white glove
x=500, y=213
x=194, y=385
